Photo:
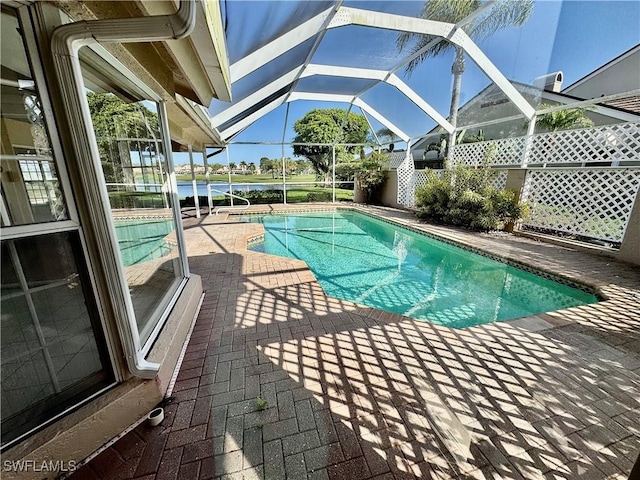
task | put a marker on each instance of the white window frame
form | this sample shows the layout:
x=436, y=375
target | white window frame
x=150, y=95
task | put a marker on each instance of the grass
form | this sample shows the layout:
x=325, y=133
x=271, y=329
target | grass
x=299, y=195
x=136, y=200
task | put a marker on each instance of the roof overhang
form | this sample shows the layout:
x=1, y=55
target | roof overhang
x=195, y=67
x=202, y=57
x=189, y=124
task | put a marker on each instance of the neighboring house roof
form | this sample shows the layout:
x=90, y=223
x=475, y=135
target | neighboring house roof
x=622, y=74
x=616, y=76
x=630, y=104
x=471, y=112
x=396, y=158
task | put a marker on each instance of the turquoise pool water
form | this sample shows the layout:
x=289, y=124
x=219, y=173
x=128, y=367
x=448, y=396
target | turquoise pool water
x=359, y=258
x=143, y=240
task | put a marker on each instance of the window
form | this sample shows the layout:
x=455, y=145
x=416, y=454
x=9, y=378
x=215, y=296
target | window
x=51, y=356
x=31, y=191
x=131, y=144
x=53, y=353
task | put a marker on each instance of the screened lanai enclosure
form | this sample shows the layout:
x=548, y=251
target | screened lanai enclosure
x=548, y=88
x=115, y=113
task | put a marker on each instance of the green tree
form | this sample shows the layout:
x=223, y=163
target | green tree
x=328, y=126
x=387, y=135
x=502, y=14
x=563, y=119
x=216, y=167
x=304, y=166
x=266, y=165
x=114, y=122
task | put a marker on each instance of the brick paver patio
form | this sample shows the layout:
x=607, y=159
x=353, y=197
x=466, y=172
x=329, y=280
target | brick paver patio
x=347, y=392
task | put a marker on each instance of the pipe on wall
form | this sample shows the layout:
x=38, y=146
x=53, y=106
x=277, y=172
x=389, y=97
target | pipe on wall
x=66, y=41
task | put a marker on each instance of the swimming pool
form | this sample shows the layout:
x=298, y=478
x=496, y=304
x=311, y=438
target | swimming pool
x=141, y=240
x=365, y=260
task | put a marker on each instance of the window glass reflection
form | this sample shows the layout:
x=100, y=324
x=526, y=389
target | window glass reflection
x=134, y=166
x=30, y=186
x=52, y=353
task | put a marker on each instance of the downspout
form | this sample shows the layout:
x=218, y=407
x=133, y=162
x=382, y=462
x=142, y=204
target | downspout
x=66, y=41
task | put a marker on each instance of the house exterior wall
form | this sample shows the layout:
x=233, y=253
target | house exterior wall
x=630, y=248
x=621, y=75
x=389, y=196
x=94, y=420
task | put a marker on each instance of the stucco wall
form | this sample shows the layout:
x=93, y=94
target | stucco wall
x=389, y=195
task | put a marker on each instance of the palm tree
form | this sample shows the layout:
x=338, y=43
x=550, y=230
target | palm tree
x=503, y=14
x=564, y=119
x=385, y=134
x=561, y=120
x=243, y=166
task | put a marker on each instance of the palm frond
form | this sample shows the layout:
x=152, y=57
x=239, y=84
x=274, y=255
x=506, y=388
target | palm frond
x=420, y=42
x=504, y=14
x=448, y=11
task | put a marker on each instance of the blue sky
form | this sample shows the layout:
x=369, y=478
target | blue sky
x=573, y=36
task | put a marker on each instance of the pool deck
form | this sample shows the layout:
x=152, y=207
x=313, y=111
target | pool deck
x=350, y=392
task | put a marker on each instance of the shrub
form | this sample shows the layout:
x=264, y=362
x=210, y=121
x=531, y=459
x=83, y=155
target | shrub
x=463, y=197
x=128, y=200
x=189, y=201
x=371, y=174
x=262, y=196
x=319, y=197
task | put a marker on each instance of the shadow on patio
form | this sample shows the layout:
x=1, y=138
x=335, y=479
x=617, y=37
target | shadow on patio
x=353, y=392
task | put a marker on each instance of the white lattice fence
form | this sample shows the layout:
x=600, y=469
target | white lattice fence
x=594, y=203
x=406, y=186
x=420, y=177
x=610, y=143
x=499, y=181
x=508, y=151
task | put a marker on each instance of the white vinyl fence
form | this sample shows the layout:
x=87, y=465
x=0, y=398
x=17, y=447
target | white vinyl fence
x=578, y=182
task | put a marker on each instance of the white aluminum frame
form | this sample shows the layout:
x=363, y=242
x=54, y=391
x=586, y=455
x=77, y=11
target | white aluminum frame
x=255, y=97
x=457, y=36
x=248, y=120
x=338, y=16
x=66, y=42
x=282, y=44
